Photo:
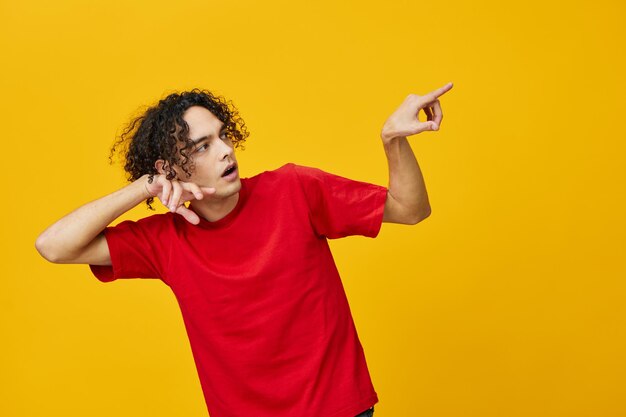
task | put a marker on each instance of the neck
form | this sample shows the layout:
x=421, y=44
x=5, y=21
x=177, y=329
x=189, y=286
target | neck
x=215, y=209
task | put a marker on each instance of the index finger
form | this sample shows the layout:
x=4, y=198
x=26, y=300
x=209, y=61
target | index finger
x=193, y=188
x=433, y=95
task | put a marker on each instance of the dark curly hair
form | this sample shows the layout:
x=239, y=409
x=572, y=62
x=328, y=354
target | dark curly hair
x=156, y=133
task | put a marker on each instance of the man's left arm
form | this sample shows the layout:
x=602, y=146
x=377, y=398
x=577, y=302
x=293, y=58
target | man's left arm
x=407, y=199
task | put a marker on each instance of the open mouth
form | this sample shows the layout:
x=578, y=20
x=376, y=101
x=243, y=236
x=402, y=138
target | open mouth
x=229, y=171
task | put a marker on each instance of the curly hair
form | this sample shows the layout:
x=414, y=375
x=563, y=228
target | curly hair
x=157, y=132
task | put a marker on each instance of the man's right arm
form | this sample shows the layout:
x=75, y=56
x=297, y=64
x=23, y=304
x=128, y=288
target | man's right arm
x=78, y=237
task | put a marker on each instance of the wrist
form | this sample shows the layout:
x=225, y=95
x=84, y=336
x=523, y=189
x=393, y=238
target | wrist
x=389, y=138
x=143, y=183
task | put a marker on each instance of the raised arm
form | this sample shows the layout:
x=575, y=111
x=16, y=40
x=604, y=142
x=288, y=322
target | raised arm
x=78, y=238
x=407, y=199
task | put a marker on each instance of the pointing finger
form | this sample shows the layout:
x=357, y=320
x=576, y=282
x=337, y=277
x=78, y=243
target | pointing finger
x=433, y=95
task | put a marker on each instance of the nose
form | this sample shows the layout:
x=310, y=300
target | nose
x=226, y=150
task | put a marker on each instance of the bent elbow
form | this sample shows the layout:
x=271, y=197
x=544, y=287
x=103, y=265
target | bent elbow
x=45, y=250
x=421, y=215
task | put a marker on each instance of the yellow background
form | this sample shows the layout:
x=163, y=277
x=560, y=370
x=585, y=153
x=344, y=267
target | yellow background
x=509, y=300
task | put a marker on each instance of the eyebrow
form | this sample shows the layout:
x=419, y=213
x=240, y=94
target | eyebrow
x=196, y=141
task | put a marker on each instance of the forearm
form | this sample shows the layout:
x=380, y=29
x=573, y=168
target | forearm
x=69, y=236
x=407, y=200
x=406, y=183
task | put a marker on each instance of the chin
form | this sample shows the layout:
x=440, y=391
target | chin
x=237, y=186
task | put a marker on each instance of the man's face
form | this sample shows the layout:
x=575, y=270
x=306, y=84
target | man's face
x=212, y=153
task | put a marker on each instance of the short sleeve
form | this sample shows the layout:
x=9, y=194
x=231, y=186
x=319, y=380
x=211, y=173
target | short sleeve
x=138, y=249
x=339, y=206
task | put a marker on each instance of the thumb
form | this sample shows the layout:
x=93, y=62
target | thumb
x=424, y=126
x=189, y=215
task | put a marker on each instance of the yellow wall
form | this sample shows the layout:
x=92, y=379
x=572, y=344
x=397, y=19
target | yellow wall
x=508, y=301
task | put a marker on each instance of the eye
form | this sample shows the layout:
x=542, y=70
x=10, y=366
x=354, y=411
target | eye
x=202, y=147
x=224, y=134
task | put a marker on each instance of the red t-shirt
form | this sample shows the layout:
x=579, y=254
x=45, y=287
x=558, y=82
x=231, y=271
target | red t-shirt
x=265, y=311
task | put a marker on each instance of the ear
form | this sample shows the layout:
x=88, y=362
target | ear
x=160, y=166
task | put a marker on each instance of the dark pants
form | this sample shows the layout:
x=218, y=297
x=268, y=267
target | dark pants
x=367, y=413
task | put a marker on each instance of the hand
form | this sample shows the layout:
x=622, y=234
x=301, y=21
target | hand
x=174, y=194
x=404, y=121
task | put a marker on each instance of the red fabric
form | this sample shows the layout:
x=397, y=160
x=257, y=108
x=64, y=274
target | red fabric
x=265, y=311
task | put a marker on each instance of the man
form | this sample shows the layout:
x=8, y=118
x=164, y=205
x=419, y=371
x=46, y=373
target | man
x=248, y=259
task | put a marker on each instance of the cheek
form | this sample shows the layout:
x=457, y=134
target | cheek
x=205, y=166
